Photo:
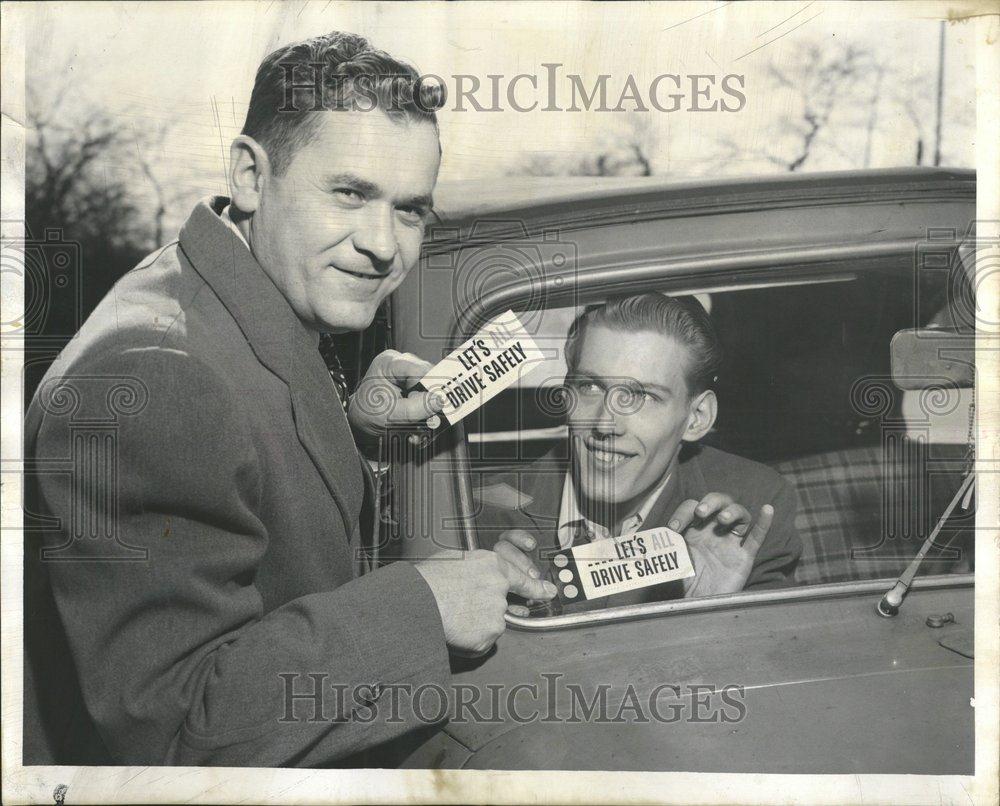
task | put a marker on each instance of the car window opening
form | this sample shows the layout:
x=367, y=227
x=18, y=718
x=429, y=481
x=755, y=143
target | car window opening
x=791, y=396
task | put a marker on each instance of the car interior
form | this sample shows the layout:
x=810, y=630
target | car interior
x=809, y=393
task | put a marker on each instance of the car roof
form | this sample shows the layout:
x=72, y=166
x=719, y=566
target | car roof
x=586, y=235
x=500, y=197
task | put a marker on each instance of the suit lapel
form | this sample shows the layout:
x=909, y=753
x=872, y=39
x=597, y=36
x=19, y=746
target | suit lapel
x=544, y=487
x=687, y=482
x=666, y=504
x=368, y=521
x=283, y=345
x=324, y=433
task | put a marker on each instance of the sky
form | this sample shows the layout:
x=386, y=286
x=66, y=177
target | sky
x=190, y=66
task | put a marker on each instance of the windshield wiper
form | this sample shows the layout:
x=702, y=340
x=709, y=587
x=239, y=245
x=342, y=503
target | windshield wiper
x=889, y=604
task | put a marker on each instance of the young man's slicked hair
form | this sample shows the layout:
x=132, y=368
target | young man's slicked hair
x=680, y=318
x=349, y=73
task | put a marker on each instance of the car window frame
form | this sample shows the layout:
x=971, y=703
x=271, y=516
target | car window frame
x=826, y=590
x=703, y=273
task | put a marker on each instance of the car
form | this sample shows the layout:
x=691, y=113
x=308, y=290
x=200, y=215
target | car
x=809, y=280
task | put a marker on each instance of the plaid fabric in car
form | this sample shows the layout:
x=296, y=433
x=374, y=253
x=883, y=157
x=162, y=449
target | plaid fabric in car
x=863, y=512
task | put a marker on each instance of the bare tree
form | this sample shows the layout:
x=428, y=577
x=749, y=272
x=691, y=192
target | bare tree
x=548, y=163
x=149, y=156
x=625, y=153
x=630, y=153
x=79, y=182
x=873, y=110
x=820, y=79
x=913, y=98
x=820, y=84
x=70, y=168
x=844, y=102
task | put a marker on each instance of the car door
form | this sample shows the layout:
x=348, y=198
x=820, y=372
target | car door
x=849, y=263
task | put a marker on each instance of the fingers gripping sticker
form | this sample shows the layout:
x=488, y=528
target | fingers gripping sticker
x=483, y=366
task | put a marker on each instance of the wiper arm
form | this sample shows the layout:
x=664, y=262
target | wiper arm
x=889, y=604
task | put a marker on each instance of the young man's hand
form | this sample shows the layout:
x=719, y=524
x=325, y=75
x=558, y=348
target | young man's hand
x=723, y=541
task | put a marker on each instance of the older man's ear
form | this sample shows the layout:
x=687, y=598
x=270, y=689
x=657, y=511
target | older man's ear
x=249, y=168
x=701, y=416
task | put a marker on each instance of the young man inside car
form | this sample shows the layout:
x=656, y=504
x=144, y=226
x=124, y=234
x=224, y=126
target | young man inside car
x=639, y=398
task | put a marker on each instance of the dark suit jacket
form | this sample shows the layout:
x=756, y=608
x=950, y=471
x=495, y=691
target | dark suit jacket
x=529, y=499
x=205, y=499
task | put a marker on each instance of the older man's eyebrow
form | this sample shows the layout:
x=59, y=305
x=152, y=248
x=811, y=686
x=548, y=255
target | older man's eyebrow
x=373, y=191
x=424, y=200
x=583, y=375
x=355, y=182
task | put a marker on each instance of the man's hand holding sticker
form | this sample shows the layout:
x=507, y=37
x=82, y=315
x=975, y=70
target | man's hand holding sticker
x=381, y=400
x=471, y=590
x=516, y=546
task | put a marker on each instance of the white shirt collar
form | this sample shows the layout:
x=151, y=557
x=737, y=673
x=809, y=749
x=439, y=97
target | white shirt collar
x=570, y=514
x=228, y=221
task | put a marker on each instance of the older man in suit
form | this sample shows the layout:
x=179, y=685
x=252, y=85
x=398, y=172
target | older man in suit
x=639, y=387
x=199, y=592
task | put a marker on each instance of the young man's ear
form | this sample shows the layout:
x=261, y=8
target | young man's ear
x=249, y=168
x=701, y=416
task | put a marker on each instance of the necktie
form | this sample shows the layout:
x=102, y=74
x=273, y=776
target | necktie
x=581, y=534
x=328, y=351
x=631, y=525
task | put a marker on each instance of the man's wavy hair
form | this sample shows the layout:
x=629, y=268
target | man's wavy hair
x=283, y=110
x=680, y=318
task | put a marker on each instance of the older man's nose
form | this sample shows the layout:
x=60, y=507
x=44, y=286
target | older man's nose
x=376, y=237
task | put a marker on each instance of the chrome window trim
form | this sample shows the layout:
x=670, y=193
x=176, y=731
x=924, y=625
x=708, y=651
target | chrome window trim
x=733, y=600
x=718, y=270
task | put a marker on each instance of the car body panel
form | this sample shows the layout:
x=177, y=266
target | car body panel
x=876, y=694
x=840, y=726
x=476, y=207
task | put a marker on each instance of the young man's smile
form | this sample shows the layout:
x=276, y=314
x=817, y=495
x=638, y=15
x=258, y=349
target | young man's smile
x=631, y=412
x=604, y=454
